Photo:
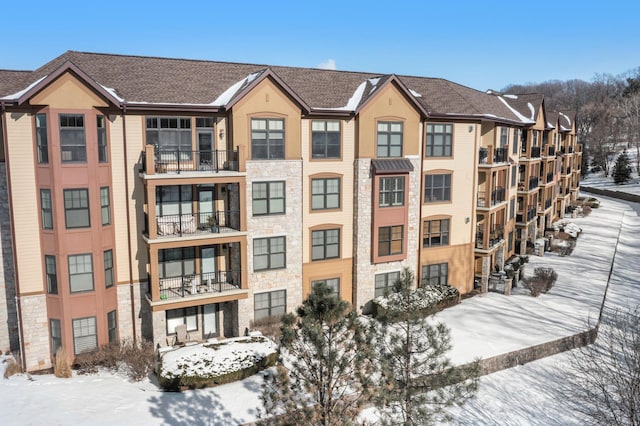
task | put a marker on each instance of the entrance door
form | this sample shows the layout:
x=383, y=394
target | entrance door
x=205, y=148
x=206, y=210
x=210, y=320
x=208, y=267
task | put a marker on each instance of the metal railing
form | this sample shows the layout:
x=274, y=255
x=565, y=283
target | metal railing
x=199, y=284
x=533, y=183
x=498, y=196
x=535, y=152
x=195, y=161
x=190, y=223
x=500, y=155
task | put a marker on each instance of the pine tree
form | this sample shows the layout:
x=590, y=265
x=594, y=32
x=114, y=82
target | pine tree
x=328, y=362
x=418, y=381
x=622, y=169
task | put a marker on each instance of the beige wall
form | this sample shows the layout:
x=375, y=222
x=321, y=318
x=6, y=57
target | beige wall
x=69, y=93
x=24, y=201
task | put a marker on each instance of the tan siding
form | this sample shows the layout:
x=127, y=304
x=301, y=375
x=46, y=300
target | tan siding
x=24, y=196
x=67, y=92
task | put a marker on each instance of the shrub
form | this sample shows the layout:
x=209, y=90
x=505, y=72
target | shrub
x=428, y=299
x=139, y=359
x=135, y=359
x=269, y=326
x=541, y=282
x=61, y=368
x=12, y=367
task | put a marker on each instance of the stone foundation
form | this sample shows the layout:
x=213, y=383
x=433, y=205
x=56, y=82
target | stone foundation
x=35, y=332
x=9, y=335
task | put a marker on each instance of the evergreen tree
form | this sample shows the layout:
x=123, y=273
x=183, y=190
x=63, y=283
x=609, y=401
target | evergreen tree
x=328, y=362
x=622, y=169
x=418, y=381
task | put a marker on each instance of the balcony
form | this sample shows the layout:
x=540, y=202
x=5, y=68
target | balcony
x=549, y=177
x=176, y=161
x=207, y=284
x=501, y=155
x=492, y=155
x=498, y=196
x=533, y=183
x=535, y=152
x=181, y=225
x=530, y=215
x=482, y=199
x=551, y=151
x=547, y=204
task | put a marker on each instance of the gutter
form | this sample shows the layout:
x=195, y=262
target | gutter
x=3, y=112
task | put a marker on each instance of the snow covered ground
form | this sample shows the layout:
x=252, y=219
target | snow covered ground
x=482, y=326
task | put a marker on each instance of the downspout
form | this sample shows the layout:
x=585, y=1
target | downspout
x=126, y=185
x=3, y=111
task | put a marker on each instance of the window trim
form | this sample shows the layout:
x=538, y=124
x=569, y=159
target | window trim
x=324, y=195
x=42, y=138
x=423, y=279
x=113, y=338
x=269, y=253
x=81, y=153
x=388, y=284
x=56, y=340
x=105, y=209
x=432, y=173
x=325, y=133
x=101, y=141
x=90, y=255
x=389, y=133
x=269, y=198
x=95, y=335
x=109, y=276
x=67, y=209
x=46, y=213
x=268, y=133
x=392, y=191
x=391, y=240
x=427, y=232
x=270, y=307
x=430, y=145
x=51, y=275
x=335, y=288
x=324, y=230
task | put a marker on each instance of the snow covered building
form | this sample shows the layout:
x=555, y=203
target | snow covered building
x=139, y=195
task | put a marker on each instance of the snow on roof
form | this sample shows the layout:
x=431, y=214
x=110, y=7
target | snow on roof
x=228, y=94
x=511, y=96
x=517, y=114
x=354, y=100
x=112, y=92
x=414, y=93
x=532, y=110
x=17, y=95
x=566, y=117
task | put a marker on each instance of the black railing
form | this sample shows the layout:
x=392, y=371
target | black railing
x=199, y=284
x=533, y=183
x=519, y=217
x=535, y=152
x=497, y=196
x=190, y=223
x=551, y=151
x=483, y=155
x=547, y=204
x=531, y=214
x=195, y=161
x=549, y=177
x=500, y=155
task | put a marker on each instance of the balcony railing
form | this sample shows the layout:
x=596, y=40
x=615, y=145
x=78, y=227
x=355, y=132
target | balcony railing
x=500, y=155
x=198, y=223
x=497, y=196
x=535, y=152
x=551, y=151
x=549, y=177
x=533, y=183
x=177, y=161
x=207, y=284
x=482, y=199
x=483, y=156
x=547, y=204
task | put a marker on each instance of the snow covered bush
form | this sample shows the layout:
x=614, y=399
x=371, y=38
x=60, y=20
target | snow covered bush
x=542, y=281
x=428, y=299
x=135, y=359
x=215, y=363
x=61, y=368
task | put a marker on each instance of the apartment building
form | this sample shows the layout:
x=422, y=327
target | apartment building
x=142, y=194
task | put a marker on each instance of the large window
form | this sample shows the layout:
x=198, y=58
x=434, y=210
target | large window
x=45, y=206
x=325, y=139
x=187, y=316
x=42, y=139
x=85, y=337
x=325, y=244
x=73, y=144
x=436, y=274
x=325, y=193
x=389, y=140
x=176, y=262
x=512, y=208
x=514, y=143
x=56, y=335
x=108, y=268
x=112, y=326
x=52, y=274
x=391, y=191
x=76, y=208
x=332, y=283
x=504, y=137
x=385, y=283
x=435, y=233
x=80, y=272
x=269, y=253
x=268, y=198
x=105, y=205
x=514, y=175
x=170, y=135
x=437, y=188
x=390, y=240
x=273, y=303
x=439, y=140
x=267, y=139
x=101, y=124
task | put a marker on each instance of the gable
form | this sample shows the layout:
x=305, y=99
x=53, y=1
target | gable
x=68, y=92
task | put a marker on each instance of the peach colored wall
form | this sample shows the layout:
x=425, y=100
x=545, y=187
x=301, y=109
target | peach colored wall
x=338, y=268
x=24, y=200
x=461, y=264
x=68, y=92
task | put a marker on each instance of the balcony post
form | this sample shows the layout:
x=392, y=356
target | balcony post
x=244, y=284
x=154, y=283
x=151, y=211
x=240, y=151
x=150, y=160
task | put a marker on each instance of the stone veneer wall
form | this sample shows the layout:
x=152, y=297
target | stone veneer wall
x=35, y=332
x=289, y=225
x=9, y=336
x=365, y=271
x=141, y=309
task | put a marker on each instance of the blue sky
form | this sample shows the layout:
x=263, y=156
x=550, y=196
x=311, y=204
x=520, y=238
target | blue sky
x=481, y=44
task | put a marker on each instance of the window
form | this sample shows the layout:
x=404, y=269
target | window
x=385, y=282
x=390, y=240
x=325, y=244
x=269, y=253
x=56, y=335
x=435, y=233
x=176, y=262
x=72, y=138
x=112, y=326
x=170, y=136
x=108, y=268
x=389, y=140
x=332, y=284
x=516, y=138
x=511, y=239
x=512, y=208
x=437, y=188
x=325, y=193
x=325, y=139
x=52, y=274
x=514, y=175
x=101, y=125
x=187, y=316
x=439, y=140
x=267, y=139
x=45, y=206
x=105, y=205
x=273, y=303
x=268, y=198
x=391, y=191
x=76, y=208
x=504, y=137
x=85, y=338
x=41, y=139
x=436, y=274
x=80, y=273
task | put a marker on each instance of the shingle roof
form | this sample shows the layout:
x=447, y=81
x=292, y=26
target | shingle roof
x=182, y=81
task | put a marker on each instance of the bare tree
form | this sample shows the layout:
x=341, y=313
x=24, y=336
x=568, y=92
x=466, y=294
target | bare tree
x=629, y=107
x=418, y=381
x=606, y=383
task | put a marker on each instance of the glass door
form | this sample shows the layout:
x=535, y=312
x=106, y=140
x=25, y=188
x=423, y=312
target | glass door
x=210, y=320
x=206, y=204
x=205, y=149
x=208, y=267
